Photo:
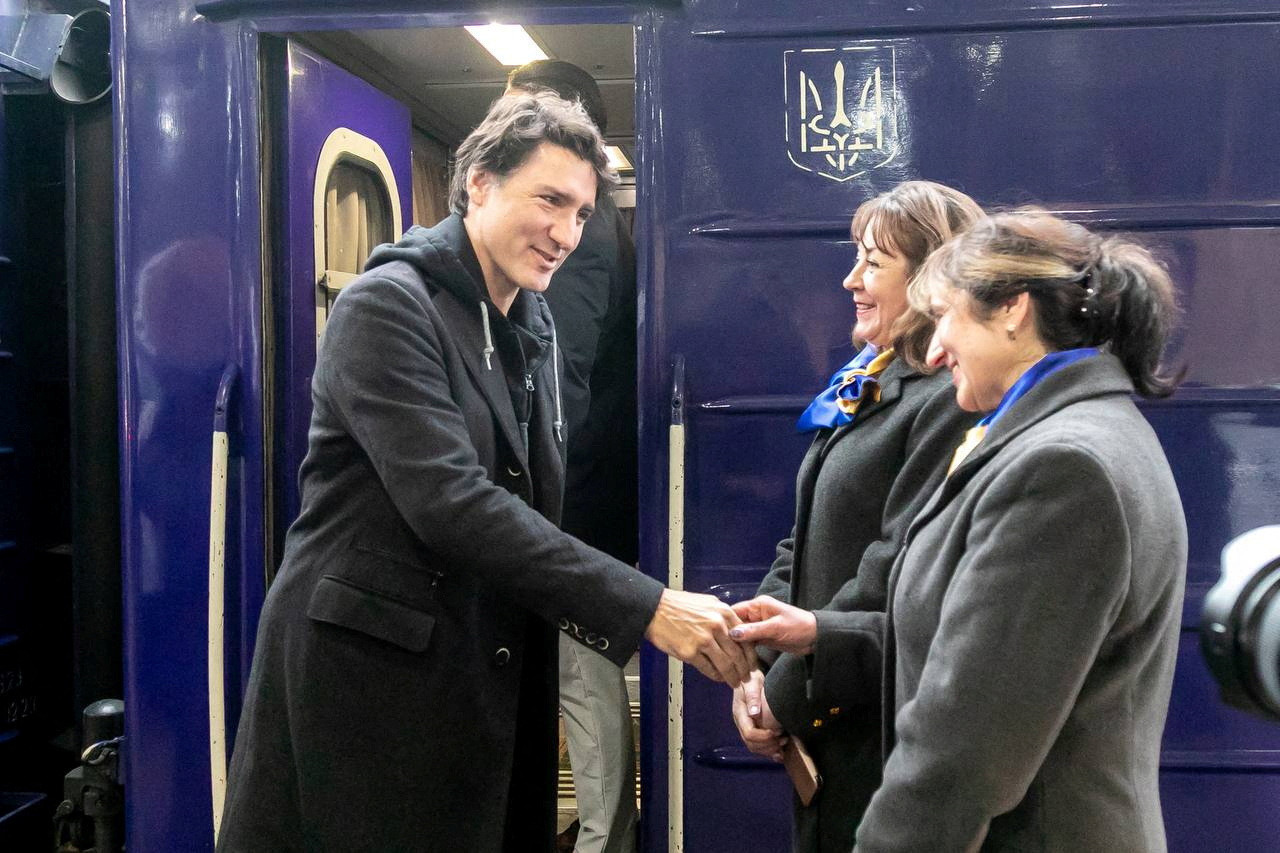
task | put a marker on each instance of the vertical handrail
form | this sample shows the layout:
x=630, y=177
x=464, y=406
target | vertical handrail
x=217, y=599
x=675, y=580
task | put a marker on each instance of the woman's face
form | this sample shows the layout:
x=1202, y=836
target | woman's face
x=878, y=282
x=984, y=360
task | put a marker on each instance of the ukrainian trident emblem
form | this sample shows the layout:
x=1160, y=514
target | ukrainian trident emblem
x=842, y=110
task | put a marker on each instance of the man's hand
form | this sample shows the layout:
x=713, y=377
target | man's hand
x=759, y=730
x=769, y=622
x=695, y=628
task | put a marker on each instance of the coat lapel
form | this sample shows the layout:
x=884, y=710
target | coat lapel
x=466, y=328
x=890, y=393
x=805, y=482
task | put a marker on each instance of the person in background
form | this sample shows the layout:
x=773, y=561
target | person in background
x=593, y=302
x=401, y=695
x=883, y=431
x=1034, y=613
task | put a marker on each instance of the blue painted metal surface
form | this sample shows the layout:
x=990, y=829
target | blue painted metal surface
x=189, y=286
x=319, y=98
x=1014, y=105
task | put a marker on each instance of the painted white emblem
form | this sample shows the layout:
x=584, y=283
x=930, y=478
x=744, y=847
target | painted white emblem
x=842, y=109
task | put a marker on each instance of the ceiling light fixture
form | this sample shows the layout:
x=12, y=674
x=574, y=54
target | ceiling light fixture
x=510, y=44
x=618, y=160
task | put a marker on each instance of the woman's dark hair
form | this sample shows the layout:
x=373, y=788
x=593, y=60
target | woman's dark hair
x=910, y=221
x=1088, y=291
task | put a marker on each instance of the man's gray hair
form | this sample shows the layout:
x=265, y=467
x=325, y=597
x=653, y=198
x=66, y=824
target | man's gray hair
x=515, y=126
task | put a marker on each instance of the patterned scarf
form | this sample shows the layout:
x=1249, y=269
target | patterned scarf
x=838, y=404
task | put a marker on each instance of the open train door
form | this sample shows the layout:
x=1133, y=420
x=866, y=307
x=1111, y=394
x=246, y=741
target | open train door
x=344, y=186
x=762, y=126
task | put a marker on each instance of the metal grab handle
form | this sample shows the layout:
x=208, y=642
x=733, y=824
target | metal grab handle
x=217, y=599
x=675, y=580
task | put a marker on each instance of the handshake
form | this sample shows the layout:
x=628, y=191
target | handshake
x=720, y=640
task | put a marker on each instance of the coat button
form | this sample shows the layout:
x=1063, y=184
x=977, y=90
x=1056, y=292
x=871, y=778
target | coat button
x=501, y=656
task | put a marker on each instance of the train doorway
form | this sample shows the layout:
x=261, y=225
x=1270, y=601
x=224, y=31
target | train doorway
x=360, y=129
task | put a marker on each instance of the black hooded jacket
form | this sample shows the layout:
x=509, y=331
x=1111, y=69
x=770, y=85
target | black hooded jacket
x=404, y=675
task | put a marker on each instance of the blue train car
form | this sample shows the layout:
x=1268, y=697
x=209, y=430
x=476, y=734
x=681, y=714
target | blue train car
x=758, y=128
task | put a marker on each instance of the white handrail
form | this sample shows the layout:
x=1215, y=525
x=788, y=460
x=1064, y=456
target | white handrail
x=217, y=610
x=217, y=602
x=675, y=580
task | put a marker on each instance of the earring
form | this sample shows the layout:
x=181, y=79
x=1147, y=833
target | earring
x=1009, y=331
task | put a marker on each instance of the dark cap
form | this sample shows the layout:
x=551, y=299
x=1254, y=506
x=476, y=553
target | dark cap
x=566, y=80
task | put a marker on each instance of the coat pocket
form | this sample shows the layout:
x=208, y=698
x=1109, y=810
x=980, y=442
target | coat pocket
x=340, y=603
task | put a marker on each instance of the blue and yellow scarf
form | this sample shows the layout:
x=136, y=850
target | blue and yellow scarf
x=1046, y=366
x=838, y=404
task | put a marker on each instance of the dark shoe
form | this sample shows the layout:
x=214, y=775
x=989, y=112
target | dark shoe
x=566, y=840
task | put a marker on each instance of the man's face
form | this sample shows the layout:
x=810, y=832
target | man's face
x=525, y=224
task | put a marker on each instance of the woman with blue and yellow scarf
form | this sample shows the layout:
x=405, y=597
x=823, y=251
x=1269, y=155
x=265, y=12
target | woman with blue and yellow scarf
x=884, y=430
x=1034, y=612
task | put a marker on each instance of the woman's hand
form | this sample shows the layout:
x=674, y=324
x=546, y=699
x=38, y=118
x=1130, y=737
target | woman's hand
x=769, y=622
x=760, y=731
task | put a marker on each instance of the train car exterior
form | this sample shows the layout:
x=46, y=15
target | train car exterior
x=760, y=127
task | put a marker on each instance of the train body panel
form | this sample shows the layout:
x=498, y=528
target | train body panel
x=190, y=305
x=754, y=204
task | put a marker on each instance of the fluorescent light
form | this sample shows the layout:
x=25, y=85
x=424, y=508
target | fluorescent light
x=618, y=160
x=509, y=43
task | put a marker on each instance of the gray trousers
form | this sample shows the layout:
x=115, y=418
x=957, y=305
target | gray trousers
x=597, y=727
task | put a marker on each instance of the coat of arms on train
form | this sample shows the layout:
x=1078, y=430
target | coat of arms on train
x=842, y=109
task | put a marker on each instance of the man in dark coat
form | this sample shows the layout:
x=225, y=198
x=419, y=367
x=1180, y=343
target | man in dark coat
x=593, y=301
x=404, y=681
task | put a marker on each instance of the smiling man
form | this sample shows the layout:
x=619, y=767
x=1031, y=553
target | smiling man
x=524, y=224
x=403, y=690
x=593, y=300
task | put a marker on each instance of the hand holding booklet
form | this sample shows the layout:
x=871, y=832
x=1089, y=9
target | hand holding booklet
x=803, y=772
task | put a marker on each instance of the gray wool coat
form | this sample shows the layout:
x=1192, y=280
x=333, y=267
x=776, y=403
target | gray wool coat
x=1033, y=627
x=403, y=688
x=857, y=489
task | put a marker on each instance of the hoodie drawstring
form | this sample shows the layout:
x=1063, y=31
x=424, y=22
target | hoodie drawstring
x=555, y=373
x=488, y=337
